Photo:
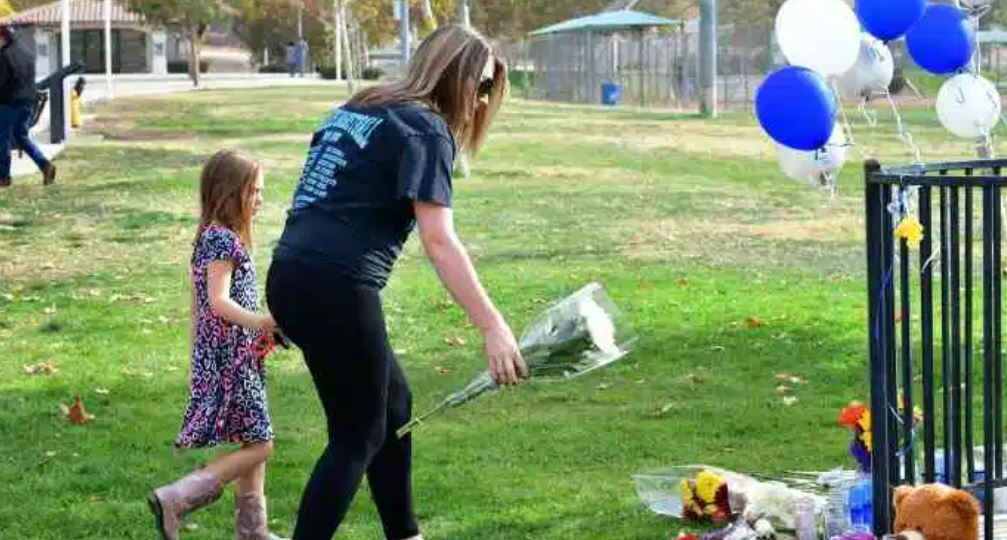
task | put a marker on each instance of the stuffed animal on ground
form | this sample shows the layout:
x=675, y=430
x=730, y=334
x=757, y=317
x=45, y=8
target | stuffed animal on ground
x=935, y=512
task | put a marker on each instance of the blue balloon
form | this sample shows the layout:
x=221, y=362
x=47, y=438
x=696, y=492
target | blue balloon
x=796, y=108
x=889, y=19
x=943, y=41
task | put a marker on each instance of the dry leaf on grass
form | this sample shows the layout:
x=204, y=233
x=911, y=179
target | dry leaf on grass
x=75, y=413
x=665, y=409
x=441, y=370
x=646, y=286
x=454, y=341
x=790, y=378
x=789, y=400
x=42, y=368
x=782, y=390
x=101, y=391
x=683, y=282
x=755, y=322
x=603, y=386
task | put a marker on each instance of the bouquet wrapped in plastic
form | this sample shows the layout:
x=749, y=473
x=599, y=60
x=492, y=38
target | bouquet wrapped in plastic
x=582, y=333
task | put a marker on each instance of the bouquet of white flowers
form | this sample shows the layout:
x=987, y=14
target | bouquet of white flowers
x=582, y=333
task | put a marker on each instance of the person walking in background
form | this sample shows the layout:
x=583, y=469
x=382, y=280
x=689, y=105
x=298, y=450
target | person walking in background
x=291, y=58
x=17, y=102
x=302, y=56
x=76, y=116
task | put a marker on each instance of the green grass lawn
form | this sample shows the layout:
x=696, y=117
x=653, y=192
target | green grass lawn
x=731, y=274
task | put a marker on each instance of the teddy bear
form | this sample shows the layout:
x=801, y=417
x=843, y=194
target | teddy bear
x=935, y=512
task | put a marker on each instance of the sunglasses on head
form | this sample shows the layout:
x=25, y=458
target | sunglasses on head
x=485, y=88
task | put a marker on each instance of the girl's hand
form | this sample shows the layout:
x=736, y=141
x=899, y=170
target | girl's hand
x=265, y=323
x=506, y=365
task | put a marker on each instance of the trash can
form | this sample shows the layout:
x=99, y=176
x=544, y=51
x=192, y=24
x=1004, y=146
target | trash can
x=611, y=93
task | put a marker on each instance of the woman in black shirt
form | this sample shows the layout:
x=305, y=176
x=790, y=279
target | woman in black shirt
x=378, y=167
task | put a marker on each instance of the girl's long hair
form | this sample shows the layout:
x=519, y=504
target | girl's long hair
x=225, y=189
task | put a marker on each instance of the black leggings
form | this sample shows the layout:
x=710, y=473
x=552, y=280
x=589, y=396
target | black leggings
x=340, y=327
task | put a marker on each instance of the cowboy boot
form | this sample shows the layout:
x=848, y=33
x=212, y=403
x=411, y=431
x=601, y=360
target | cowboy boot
x=250, y=518
x=170, y=503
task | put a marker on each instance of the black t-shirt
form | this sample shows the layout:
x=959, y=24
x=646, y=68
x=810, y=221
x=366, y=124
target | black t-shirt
x=353, y=208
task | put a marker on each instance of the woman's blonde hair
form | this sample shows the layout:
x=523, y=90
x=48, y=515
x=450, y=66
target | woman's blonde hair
x=445, y=75
x=225, y=192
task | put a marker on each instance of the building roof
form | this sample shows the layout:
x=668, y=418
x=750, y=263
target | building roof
x=608, y=21
x=82, y=12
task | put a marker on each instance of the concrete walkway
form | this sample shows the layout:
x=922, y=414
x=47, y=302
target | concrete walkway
x=147, y=85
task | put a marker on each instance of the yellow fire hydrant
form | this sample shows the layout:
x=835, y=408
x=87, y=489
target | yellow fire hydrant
x=76, y=119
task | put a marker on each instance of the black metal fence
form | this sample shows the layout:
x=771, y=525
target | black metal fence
x=923, y=306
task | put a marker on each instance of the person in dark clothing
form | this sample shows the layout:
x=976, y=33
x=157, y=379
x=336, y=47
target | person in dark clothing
x=17, y=101
x=377, y=168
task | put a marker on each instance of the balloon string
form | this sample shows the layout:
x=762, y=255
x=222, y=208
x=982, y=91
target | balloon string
x=904, y=135
x=871, y=117
x=845, y=122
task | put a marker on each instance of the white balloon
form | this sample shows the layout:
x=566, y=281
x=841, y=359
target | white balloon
x=823, y=35
x=873, y=71
x=815, y=167
x=968, y=106
x=973, y=4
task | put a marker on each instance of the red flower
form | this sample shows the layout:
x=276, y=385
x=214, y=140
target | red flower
x=851, y=414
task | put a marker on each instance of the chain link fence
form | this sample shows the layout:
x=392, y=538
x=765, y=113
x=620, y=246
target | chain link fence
x=652, y=68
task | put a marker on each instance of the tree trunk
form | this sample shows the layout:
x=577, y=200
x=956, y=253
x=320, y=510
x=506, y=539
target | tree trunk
x=194, y=60
x=429, y=19
x=464, y=18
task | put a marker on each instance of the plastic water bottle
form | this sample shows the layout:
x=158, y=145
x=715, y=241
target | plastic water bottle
x=804, y=519
x=861, y=506
x=837, y=517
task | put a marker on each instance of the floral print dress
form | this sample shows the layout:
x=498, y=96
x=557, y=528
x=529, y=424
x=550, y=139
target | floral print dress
x=227, y=388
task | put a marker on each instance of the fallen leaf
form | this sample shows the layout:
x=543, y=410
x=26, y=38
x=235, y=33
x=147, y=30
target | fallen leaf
x=163, y=320
x=101, y=391
x=51, y=310
x=93, y=499
x=789, y=400
x=898, y=317
x=718, y=348
x=539, y=301
x=665, y=409
x=94, y=292
x=50, y=454
x=683, y=282
x=47, y=266
x=755, y=322
x=641, y=381
x=8, y=297
x=171, y=369
x=42, y=368
x=782, y=390
x=694, y=378
x=790, y=378
x=444, y=303
x=454, y=341
x=603, y=386
x=75, y=413
x=191, y=527
x=441, y=370
x=646, y=286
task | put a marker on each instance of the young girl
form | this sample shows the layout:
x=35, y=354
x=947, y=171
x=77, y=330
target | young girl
x=228, y=392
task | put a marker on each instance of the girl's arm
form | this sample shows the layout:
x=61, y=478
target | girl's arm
x=453, y=265
x=218, y=275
